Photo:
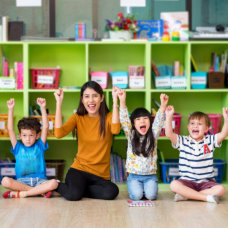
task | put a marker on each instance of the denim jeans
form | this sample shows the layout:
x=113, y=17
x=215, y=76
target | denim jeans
x=31, y=181
x=142, y=185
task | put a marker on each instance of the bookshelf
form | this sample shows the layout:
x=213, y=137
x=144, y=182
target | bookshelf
x=76, y=59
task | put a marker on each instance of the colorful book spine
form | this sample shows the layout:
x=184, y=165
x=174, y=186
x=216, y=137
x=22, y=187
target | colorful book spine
x=6, y=69
x=80, y=31
x=19, y=74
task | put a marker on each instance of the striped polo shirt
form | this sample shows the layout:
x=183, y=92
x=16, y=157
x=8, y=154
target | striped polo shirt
x=196, y=158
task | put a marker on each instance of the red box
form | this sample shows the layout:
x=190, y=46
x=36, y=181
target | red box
x=216, y=120
x=45, y=78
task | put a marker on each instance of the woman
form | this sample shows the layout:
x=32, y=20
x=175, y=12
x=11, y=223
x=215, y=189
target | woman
x=89, y=174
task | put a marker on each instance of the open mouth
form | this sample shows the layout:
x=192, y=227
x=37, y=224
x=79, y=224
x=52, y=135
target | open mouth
x=92, y=107
x=195, y=131
x=143, y=129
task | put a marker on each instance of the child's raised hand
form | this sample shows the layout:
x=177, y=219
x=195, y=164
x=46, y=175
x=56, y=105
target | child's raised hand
x=164, y=101
x=59, y=95
x=169, y=111
x=122, y=95
x=11, y=103
x=225, y=113
x=41, y=102
x=115, y=91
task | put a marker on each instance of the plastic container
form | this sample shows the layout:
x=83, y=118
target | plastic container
x=178, y=82
x=101, y=77
x=3, y=125
x=51, y=120
x=7, y=169
x=136, y=77
x=216, y=120
x=175, y=124
x=163, y=82
x=199, y=80
x=170, y=170
x=120, y=79
x=45, y=78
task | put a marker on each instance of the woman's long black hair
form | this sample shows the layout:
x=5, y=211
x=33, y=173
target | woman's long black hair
x=103, y=111
x=145, y=147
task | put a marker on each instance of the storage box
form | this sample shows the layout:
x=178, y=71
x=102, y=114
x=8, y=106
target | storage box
x=216, y=80
x=54, y=169
x=176, y=122
x=7, y=83
x=100, y=77
x=3, y=125
x=136, y=77
x=170, y=170
x=163, y=82
x=120, y=79
x=51, y=120
x=7, y=169
x=199, y=80
x=45, y=78
x=178, y=82
x=216, y=120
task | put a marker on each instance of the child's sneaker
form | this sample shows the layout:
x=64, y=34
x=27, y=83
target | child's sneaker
x=212, y=199
x=11, y=194
x=179, y=197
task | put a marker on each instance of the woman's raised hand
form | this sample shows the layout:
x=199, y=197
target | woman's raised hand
x=59, y=95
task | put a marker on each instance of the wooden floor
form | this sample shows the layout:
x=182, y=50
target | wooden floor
x=57, y=212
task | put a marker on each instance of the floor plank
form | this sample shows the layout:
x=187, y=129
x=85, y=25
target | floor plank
x=57, y=212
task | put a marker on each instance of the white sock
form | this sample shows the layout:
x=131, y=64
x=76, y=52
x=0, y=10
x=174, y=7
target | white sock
x=212, y=199
x=179, y=197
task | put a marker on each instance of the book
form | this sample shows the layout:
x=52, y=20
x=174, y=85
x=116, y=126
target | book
x=176, y=22
x=140, y=203
x=150, y=29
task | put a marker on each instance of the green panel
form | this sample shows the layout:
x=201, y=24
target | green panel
x=70, y=58
x=13, y=53
x=201, y=52
x=115, y=56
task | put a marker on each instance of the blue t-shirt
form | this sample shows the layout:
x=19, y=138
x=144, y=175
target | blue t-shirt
x=30, y=160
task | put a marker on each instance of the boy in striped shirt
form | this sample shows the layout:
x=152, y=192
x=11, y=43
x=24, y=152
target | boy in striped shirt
x=196, y=158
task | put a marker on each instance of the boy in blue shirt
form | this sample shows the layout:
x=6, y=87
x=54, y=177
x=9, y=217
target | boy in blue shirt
x=196, y=158
x=30, y=165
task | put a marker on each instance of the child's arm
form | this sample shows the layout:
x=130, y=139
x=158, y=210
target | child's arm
x=58, y=116
x=224, y=133
x=12, y=135
x=164, y=101
x=168, y=125
x=115, y=113
x=42, y=103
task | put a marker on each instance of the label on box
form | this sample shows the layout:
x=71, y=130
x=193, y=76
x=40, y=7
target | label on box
x=99, y=80
x=215, y=172
x=173, y=171
x=119, y=80
x=50, y=172
x=136, y=82
x=162, y=82
x=198, y=80
x=45, y=79
x=51, y=125
x=8, y=172
x=178, y=82
x=7, y=83
x=2, y=125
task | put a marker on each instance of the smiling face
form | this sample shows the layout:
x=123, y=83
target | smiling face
x=92, y=101
x=142, y=124
x=197, y=128
x=28, y=137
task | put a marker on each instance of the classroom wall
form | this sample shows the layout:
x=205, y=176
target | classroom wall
x=94, y=13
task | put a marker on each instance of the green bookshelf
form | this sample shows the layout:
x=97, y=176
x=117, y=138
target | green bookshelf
x=77, y=59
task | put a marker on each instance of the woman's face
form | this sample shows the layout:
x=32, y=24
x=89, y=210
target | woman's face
x=92, y=101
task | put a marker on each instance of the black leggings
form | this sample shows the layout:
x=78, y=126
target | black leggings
x=79, y=183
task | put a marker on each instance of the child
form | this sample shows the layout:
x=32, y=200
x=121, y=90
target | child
x=142, y=138
x=196, y=158
x=30, y=166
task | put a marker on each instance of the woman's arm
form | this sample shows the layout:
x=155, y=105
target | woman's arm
x=115, y=112
x=58, y=115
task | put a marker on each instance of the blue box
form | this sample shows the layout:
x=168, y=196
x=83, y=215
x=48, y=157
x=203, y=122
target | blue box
x=120, y=79
x=178, y=82
x=170, y=170
x=199, y=80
